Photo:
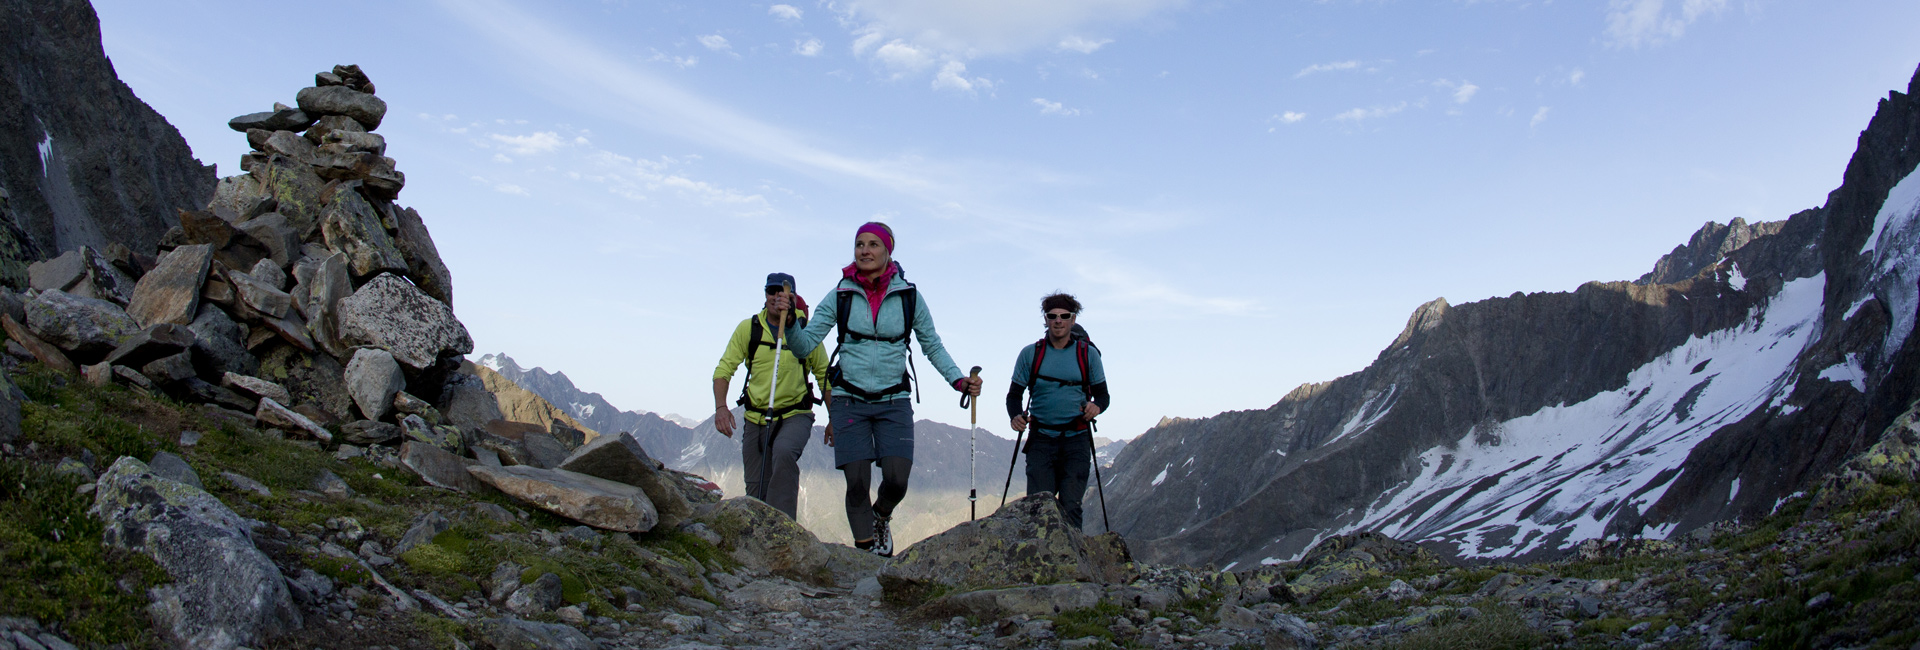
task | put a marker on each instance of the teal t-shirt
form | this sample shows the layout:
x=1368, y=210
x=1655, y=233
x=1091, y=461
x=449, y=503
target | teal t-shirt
x=1054, y=403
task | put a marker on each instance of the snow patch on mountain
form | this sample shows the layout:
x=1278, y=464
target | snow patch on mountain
x=1895, y=244
x=1848, y=371
x=1560, y=475
x=1369, y=414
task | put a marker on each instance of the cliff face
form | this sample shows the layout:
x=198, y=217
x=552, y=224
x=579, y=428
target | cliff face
x=1749, y=362
x=82, y=160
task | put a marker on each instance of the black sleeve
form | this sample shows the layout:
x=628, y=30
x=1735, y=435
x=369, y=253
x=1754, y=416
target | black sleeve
x=1100, y=395
x=1014, y=393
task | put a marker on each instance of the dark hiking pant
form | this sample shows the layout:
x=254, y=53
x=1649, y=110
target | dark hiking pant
x=1060, y=464
x=782, y=491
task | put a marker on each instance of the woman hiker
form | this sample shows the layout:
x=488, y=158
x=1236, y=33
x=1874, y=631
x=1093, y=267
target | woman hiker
x=770, y=451
x=874, y=309
x=1069, y=390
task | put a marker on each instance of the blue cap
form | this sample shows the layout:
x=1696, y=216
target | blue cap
x=780, y=280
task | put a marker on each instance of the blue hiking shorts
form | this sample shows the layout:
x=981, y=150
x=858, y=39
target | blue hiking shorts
x=864, y=431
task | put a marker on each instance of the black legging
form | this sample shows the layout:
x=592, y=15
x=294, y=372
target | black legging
x=893, y=488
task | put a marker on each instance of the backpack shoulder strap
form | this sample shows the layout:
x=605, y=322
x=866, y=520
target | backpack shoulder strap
x=1039, y=353
x=1080, y=354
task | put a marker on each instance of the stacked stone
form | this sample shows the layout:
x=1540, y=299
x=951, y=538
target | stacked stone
x=301, y=298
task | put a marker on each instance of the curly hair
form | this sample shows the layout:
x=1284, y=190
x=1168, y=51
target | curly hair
x=1060, y=301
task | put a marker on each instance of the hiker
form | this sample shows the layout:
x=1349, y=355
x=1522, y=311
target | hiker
x=875, y=309
x=770, y=451
x=1069, y=391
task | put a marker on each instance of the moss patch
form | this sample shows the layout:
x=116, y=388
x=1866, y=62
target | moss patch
x=54, y=568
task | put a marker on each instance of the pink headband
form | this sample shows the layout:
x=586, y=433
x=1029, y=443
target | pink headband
x=879, y=230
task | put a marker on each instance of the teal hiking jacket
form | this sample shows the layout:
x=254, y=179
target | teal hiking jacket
x=874, y=365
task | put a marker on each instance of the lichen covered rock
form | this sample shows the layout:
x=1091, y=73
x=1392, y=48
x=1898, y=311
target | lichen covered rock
x=759, y=536
x=1028, y=542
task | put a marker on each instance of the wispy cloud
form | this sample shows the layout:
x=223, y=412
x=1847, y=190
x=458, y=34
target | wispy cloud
x=1359, y=115
x=1462, y=92
x=1082, y=45
x=953, y=76
x=682, y=62
x=1054, y=108
x=809, y=47
x=1327, y=67
x=526, y=145
x=1634, y=23
x=965, y=29
x=716, y=43
x=1538, y=117
x=1576, y=76
x=784, y=12
x=1289, y=117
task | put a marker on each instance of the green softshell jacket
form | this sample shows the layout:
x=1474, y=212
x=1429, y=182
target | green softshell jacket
x=793, y=375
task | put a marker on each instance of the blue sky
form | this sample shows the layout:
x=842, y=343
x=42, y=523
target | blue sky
x=1246, y=195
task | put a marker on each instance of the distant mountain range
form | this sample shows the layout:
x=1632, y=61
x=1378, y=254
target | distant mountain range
x=1746, y=364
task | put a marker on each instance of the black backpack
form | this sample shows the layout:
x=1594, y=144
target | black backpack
x=753, y=345
x=842, y=302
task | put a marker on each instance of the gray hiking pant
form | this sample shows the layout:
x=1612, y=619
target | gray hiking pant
x=789, y=440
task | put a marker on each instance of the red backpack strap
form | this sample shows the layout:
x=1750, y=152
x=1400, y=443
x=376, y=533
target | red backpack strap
x=1080, y=353
x=1033, y=374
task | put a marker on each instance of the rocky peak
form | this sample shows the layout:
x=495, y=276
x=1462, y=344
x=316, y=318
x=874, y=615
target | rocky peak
x=1427, y=316
x=1708, y=245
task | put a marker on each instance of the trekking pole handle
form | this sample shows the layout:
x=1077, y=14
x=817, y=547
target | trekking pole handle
x=966, y=401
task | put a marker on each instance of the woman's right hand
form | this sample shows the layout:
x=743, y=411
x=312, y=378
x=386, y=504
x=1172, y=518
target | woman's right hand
x=783, y=301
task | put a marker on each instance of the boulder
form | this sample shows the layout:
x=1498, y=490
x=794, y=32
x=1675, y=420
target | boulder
x=516, y=634
x=88, y=328
x=369, y=432
x=388, y=312
x=438, y=467
x=275, y=415
x=1343, y=559
x=423, y=530
x=295, y=188
x=341, y=100
x=170, y=293
x=256, y=387
x=422, y=257
x=289, y=144
x=101, y=279
x=13, y=304
x=592, y=501
x=217, y=345
x=45, y=352
x=61, y=273
x=269, y=273
x=373, y=378
x=543, y=450
x=621, y=458
x=260, y=296
x=314, y=380
x=331, y=124
x=154, y=342
x=1039, y=600
x=276, y=234
x=225, y=592
x=410, y=405
x=466, y=402
x=235, y=196
x=172, y=466
x=759, y=536
x=771, y=595
x=170, y=369
x=279, y=119
x=1026, y=542
x=372, y=174
x=341, y=141
x=330, y=284
x=352, y=227
x=448, y=438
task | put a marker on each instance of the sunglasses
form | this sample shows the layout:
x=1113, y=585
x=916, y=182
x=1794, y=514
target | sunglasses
x=1053, y=316
x=775, y=289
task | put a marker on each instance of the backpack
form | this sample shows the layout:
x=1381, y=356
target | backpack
x=1081, y=344
x=843, y=301
x=754, y=343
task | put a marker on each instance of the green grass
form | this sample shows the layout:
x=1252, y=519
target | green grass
x=1092, y=621
x=1496, y=628
x=54, y=568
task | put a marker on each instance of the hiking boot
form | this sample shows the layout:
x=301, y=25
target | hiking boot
x=882, y=535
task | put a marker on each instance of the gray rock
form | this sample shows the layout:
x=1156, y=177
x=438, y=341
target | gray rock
x=373, y=378
x=289, y=144
x=61, y=273
x=352, y=227
x=283, y=119
x=494, y=512
x=169, y=370
x=759, y=536
x=621, y=458
x=170, y=293
x=171, y=466
x=1027, y=542
x=330, y=285
x=315, y=380
x=331, y=124
x=295, y=189
x=260, y=296
x=592, y=501
x=389, y=313
x=275, y=415
x=332, y=485
x=438, y=467
x=217, y=345
x=770, y=595
x=87, y=328
x=268, y=273
x=340, y=141
x=423, y=258
x=368, y=432
x=154, y=342
x=256, y=387
x=340, y=100
x=1290, y=633
x=423, y=530
x=13, y=305
x=100, y=279
x=447, y=438
x=225, y=593
x=242, y=482
x=516, y=634
x=537, y=597
x=504, y=581
x=1041, y=600
x=868, y=587
x=234, y=197
x=274, y=232
x=53, y=357
x=543, y=450
x=77, y=469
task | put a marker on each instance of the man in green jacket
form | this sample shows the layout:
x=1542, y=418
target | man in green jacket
x=770, y=451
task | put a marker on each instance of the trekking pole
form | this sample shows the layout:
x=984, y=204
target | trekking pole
x=973, y=449
x=771, y=426
x=1094, y=428
x=1016, y=455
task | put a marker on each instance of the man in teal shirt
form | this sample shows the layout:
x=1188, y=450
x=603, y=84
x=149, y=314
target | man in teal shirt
x=1059, y=453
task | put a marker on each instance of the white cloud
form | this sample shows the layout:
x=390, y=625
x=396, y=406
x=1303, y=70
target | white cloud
x=1289, y=117
x=509, y=188
x=902, y=58
x=1538, y=117
x=1054, y=108
x=1575, y=77
x=1633, y=23
x=953, y=76
x=682, y=62
x=811, y=47
x=1081, y=45
x=1358, y=115
x=716, y=42
x=1462, y=92
x=784, y=12
x=526, y=145
x=1327, y=67
x=502, y=158
x=971, y=28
